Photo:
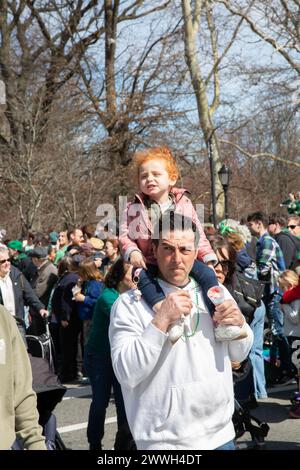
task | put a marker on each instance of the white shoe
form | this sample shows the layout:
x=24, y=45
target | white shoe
x=230, y=332
x=176, y=331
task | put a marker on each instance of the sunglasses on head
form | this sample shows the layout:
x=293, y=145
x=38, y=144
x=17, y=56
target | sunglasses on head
x=7, y=260
x=292, y=226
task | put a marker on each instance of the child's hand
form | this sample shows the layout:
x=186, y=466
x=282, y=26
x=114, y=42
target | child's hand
x=210, y=264
x=79, y=297
x=137, y=260
x=157, y=306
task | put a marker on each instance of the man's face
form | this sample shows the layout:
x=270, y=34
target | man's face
x=12, y=253
x=35, y=261
x=4, y=263
x=175, y=256
x=273, y=229
x=254, y=227
x=77, y=237
x=293, y=227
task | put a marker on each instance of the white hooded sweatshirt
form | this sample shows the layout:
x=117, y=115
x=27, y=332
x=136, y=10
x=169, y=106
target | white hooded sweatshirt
x=176, y=396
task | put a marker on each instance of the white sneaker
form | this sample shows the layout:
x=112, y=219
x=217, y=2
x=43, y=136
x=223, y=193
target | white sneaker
x=176, y=331
x=230, y=332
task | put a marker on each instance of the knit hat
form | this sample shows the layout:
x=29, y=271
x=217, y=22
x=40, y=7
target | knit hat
x=15, y=245
x=53, y=237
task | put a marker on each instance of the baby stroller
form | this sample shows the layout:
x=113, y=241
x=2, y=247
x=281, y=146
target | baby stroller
x=47, y=387
x=42, y=346
x=242, y=419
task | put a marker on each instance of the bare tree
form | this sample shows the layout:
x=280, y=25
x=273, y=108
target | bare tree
x=124, y=98
x=205, y=83
x=276, y=24
x=41, y=46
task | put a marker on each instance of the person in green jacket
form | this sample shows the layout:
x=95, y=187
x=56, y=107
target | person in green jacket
x=62, y=245
x=18, y=412
x=98, y=366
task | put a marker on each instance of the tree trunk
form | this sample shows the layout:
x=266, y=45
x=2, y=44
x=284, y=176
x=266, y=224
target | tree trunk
x=191, y=27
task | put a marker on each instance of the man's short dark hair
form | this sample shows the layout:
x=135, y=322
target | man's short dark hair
x=258, y=217
x=277, y=219
x=172, y=221
x=88, y=230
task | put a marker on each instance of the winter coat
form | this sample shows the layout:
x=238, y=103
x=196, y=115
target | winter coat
x=46, y=278
x=18, y=412
x=62, y=303
x=24, y=294
x=91, y=291
x=136, y=217
x=291, y=318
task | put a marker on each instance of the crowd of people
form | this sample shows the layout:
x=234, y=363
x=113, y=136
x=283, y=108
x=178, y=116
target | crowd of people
x=162, y=315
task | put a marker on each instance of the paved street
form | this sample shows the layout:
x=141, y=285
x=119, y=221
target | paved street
x=72, y=414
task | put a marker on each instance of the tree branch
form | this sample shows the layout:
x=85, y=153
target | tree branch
x=271, y=156
x=254, y=27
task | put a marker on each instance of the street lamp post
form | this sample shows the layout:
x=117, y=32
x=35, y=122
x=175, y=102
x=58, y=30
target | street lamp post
x=224, y=175
x=212, y=182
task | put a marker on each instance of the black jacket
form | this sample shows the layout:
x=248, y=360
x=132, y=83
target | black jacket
x=23, y=293
x=62, y=303
x=290, y=246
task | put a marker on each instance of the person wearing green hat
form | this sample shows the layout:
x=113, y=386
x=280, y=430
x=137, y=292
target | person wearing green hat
x=18, y=258
x=15, y=245
x=53, y=236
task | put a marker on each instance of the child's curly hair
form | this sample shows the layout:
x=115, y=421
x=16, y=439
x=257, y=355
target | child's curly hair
x=156, y=153
x=288, y=277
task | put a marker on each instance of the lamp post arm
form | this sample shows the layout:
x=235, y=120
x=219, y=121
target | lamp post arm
x=226, y=201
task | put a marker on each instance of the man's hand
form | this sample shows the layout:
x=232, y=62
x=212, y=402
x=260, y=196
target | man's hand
x=44, y=313
x=137, y=260
x=228, y=313
x=236, y=365
x=64, y=323
x=174, y=305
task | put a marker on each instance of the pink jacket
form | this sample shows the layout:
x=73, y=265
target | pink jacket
x=136, y=228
